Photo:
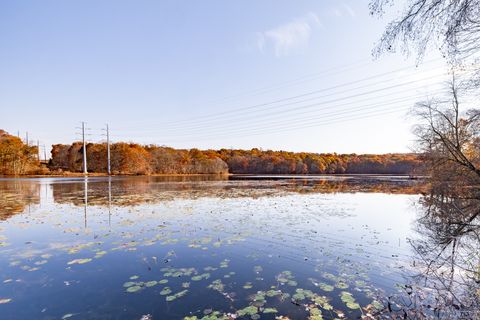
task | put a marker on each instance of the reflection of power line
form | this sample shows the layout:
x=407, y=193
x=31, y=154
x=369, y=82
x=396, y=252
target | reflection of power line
x=109, y=201
x=85, y=198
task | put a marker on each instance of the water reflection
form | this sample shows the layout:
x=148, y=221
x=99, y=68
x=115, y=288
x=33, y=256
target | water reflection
x=17, y=195
x=447, y=280
x=122, y=248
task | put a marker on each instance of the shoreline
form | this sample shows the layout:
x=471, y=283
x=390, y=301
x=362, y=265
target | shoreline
x=239, y=175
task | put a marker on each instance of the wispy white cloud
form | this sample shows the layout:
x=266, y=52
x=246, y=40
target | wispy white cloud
x=342, y=10
x=290, y=37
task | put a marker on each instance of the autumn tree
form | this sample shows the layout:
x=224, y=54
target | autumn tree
x=17, y=157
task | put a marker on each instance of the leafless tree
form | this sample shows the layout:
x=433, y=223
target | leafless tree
x=453, y=26
x=447, y=283
x=448, y=138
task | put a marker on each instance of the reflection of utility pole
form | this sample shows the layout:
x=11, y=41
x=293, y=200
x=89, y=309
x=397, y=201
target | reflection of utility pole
x=85, y=198
x=109, y=200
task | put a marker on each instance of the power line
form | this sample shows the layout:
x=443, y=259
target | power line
x=108, y=148
x=356, y=108
x=302, y=120
x=305, y=78
x=84, y=150
x=283, y=129
x=83, y=128
x=258, y=117
x=260, y=105
x=44, y=153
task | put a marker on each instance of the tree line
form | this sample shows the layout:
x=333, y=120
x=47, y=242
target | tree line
x=18, y=158
x=132, y=158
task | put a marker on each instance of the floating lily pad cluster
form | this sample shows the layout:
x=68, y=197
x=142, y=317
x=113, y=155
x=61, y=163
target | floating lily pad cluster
x=286, y=277
x=176, y=295
x=349, y=300
x=180, y=272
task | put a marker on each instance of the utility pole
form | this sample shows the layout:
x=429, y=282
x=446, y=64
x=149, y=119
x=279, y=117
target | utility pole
x=26, y=138
x=84, y=150
x=108, y=150
x=38, y=150
x=44, y=153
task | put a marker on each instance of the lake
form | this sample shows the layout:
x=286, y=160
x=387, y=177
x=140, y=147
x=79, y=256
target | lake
x=204, y=247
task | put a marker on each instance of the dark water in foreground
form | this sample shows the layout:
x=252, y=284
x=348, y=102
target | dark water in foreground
x=202, y=247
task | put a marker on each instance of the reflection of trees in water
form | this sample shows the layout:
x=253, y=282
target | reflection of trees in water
x=447, y=280
x=16, y=196
x=143, y=190
x=448, y=284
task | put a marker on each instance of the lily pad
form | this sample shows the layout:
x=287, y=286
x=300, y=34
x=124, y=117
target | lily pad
x=326, y=287
x=349, y=300
x=134, y=289
x=176, y=295
x=151, y=283
x=248, y=285
x=165, y=291
x=79, y=261
x=129, y=284
x=247, y=311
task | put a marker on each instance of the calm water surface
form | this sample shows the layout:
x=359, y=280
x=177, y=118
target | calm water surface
x=203, y=247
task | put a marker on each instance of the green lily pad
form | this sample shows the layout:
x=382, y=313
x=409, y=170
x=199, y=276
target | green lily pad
x=247, y=311
x=129, y=284
x=151, y=283
x=134, y=289
x=248, y=285
x=79, y=261
x=349, y=300
x=165, y=291
x=326, y=287
x=176, y=295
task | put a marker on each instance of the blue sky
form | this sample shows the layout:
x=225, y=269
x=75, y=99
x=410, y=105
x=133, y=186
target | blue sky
x=284, y=75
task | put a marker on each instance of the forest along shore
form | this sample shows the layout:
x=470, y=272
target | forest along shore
x=18, y=158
